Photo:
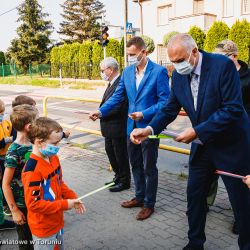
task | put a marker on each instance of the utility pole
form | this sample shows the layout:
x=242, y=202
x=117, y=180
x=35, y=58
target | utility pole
x=125, y=31
x=141, y=17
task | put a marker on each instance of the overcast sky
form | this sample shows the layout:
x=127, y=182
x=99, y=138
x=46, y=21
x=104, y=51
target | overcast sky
x=8, y=24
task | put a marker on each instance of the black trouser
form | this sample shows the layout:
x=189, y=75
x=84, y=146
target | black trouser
x=1, y=179
x=116, y=150
x=24, y=233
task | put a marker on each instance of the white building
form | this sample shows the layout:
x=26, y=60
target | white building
x=180, y=15
x=117, y=32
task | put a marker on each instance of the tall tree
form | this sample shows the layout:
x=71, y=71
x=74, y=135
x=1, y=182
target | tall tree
x=81, y=20
x=33, y=36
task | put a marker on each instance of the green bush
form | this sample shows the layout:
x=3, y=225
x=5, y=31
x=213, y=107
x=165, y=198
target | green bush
x=55, y=61
x=150, y=45
x=74, y=59
x=168, y=36
x=198, y=35
x=65, y=60
x=2, y=58
x=240, y=34
x=85, y=59
x=217, y=32
x=113, y=49
x=97, y=57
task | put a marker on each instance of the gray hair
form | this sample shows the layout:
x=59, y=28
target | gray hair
x=109, y=62
x=183, y=39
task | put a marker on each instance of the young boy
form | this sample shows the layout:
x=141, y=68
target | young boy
x=5, y=140
x=46, y=195
x=16, y=157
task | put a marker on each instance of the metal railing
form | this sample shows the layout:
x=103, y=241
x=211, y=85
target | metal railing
x=96, y=132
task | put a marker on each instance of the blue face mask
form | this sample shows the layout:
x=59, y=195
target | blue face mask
x=49, y=150
x=185, y=67
x=1, y=118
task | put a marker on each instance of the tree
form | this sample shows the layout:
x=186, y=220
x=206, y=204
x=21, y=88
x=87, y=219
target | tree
x=2, y=58
x=217, y=32
x=81, y=20
x=198, y=35
x=33, y=42
x=150, y=45
x=97, y=57
x=168, y=36
x=240, y=34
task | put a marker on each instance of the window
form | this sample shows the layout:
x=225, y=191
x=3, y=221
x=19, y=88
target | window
x=245, y=6
x=198, y=6
x=228, y=8
x=164, y=13
x=161, y=54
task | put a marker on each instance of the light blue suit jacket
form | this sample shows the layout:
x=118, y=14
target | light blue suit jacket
x=151, y=95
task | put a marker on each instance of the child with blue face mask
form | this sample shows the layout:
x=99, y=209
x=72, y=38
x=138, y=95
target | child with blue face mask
x=46, y=194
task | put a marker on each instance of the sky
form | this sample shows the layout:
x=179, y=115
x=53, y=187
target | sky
x=8, y=24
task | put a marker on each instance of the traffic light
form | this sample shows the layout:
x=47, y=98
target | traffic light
x=105, y=35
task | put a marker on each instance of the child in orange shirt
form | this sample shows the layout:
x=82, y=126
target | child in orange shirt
x=46, y=195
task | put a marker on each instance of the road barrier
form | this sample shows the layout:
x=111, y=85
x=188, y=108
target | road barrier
x=96, y=132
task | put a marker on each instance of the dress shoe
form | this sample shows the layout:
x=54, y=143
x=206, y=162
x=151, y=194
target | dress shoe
x=188, y=247
x=119, y=187
x=115, y=180
x=235, y=228
x=145, y=213
x=132, y=203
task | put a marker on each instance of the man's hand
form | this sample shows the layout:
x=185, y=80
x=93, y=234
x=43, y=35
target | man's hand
x=139, y=134
x=94, y=115
x=187, y=136
x=247, y=180
x=136, y=116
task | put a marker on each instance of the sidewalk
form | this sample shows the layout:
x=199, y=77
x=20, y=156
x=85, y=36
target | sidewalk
x=106, y=225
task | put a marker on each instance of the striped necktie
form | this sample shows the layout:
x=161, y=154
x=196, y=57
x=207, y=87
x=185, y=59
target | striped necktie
x=194, y=84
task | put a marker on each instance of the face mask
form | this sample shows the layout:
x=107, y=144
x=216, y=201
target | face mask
x=1, y=118
x=184, y=68
x=134, y=60
x=105, y=77
x=49, y=150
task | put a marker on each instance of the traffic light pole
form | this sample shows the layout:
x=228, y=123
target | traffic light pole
x=125, y=31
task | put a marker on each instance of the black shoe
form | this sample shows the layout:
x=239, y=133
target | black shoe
x=7, y=225
x=235, y=228
x=188, y=247
x=115, y=180
x=119, y=187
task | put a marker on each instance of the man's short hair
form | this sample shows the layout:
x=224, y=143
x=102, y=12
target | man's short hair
x=23, y=99
x=109, y=62
x=138, y=42
x=226, y=47
x=22, y=115
x=42, y=128
x=2, y=106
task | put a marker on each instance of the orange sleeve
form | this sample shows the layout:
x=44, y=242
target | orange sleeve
x=33, y=199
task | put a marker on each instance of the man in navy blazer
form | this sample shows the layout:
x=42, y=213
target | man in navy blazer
x=146, y=86
x=207, y=86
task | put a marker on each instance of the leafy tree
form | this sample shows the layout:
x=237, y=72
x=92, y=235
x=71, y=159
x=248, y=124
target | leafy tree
x=240, y=34
x=113, y=49
x=32, y=44
x=217, y=32
x=81, y=20
x=198, y=35
x=55, y=61
x=85, y=57
x=149, y=44
x=168, y=36
x=2, y=58
x=97, y=57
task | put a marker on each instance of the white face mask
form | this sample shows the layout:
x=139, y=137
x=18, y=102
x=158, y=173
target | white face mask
x=185, y=67
x=134, y=60
x=105, y=77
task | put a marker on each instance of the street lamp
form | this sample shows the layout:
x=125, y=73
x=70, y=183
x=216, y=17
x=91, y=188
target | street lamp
x=141, y=14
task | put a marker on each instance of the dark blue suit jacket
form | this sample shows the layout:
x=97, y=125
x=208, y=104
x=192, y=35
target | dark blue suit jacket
x=151, y=95
x=220, y=120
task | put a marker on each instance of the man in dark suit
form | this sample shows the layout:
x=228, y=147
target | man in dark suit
x=145, y=84
x=207, y=86
x=114, y=127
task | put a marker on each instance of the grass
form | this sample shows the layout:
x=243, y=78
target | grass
x=45, y=82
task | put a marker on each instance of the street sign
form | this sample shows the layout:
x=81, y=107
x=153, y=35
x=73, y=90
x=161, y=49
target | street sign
x=129, y=28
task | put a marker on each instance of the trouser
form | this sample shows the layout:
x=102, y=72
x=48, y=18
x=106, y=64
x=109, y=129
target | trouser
x=116, y=150
x=52, y=242
x=24, y=234
x=1, y=207
x=201, y=175
x=143, y=159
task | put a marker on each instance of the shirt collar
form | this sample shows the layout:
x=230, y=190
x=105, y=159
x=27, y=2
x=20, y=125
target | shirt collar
x=144, y=70
x=115, y=78
x=197, y=69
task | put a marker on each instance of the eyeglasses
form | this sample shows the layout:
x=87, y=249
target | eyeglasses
x=102, y=70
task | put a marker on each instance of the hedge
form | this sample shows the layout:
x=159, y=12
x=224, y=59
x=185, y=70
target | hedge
x=198, y=35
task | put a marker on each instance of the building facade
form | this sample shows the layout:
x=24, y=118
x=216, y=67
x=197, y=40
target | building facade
x=180, y=15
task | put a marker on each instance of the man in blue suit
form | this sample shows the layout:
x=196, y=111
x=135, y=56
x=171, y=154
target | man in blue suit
x=146, y=86
x=207, y=86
